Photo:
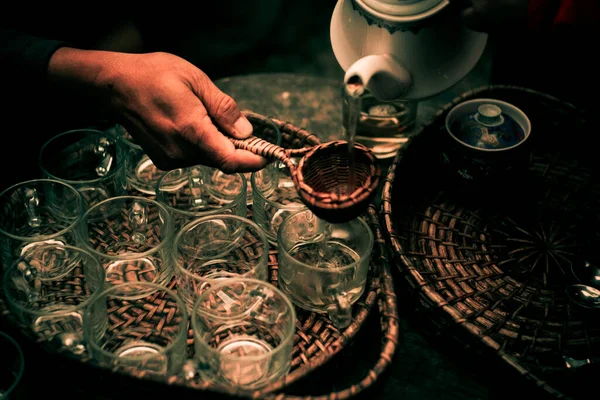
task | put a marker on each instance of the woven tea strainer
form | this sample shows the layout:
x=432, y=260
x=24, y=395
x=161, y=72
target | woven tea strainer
x=335, y=181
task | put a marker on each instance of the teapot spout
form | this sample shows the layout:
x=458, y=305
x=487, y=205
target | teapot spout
x=382, y=75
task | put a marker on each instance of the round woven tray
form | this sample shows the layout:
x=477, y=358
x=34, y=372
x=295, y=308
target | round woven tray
x=316, y=341
x=487, y=264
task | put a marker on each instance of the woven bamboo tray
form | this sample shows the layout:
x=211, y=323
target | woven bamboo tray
x=487, y=264
x=316, y=341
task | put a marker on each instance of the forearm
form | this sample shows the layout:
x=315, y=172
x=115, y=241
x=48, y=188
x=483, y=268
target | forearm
x=78, y=77
x=75, y=70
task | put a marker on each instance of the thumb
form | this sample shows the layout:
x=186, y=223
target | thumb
x=225, y=113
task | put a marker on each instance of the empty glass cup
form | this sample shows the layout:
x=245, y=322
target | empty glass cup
x=12, y=365
x=138, y=328
x=198, y=191
x=275, y=197
x=132, y=237
x=87, y=159
x=48, y=289
x=216, y=247
x=35, y=212
x=323, y=267
x=243, y=334
x=141, y=174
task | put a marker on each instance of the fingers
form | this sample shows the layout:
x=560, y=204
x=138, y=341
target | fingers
x=217, y=150
x=223, y=154
x=193, y=140
x=186, y=127
x=243, y=161
x=224, y=111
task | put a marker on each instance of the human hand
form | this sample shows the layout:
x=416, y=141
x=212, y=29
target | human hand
x=170, y=107
x=494, y=16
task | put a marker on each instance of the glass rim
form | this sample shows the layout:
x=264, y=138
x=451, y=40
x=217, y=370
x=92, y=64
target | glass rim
x=13, y=267
x=178, y=237
x=129, y=255
x=410, y=109
x=367, y=254
x=121, y=132
x=181, y=335
x=45, y=171
x=294, y=206
x=289, y=337
x=19, y=374
x=72, y=226
x=235, y=202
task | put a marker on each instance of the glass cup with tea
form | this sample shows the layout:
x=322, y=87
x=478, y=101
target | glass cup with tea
x=323, y=267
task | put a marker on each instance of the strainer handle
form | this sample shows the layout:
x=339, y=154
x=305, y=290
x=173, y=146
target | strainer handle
x=267, y=149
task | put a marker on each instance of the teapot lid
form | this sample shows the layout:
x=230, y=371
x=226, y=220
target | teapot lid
x=402, y=10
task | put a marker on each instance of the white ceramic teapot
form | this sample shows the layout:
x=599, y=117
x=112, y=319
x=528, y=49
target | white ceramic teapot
x=403, y=49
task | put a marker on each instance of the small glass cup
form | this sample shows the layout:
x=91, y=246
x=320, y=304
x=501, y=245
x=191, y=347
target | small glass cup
x=217, y=247
x=275, y=198
x=48, y=290
x=138, y=328
x=12, y=365
x=382, y=126
x=243, y=334
x=132, y=237
x=141, y=175
x=35, y=212
x=198, y=191
x=87, y=159
x=323, y=267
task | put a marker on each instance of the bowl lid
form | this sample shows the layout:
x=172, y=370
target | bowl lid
x=488, y=124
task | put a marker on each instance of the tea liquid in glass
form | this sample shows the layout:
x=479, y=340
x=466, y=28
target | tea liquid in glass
x=317, y=286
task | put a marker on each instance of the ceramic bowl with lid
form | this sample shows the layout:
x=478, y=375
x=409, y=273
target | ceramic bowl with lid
x=485, y=138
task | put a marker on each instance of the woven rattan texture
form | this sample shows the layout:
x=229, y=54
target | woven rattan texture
x=489, y=263
x=316, y=341
x=335, y=183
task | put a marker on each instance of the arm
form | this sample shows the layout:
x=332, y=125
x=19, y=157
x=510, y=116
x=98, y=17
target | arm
x=172, y=109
